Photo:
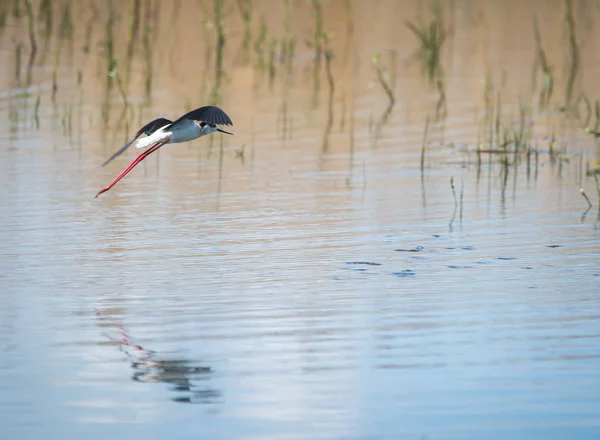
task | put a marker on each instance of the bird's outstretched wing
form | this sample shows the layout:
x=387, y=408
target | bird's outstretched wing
x=147, y=129
x=209, y=114
x=151, y=127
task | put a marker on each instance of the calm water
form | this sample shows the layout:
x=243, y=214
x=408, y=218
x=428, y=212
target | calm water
x=295, y=281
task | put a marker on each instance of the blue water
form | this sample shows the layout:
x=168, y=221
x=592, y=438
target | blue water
x=299, y=284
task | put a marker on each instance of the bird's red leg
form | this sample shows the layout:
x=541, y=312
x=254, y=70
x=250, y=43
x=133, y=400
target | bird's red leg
x=137, y=160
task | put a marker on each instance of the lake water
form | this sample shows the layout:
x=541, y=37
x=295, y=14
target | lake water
x=307, y=278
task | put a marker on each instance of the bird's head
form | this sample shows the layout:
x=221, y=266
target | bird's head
x=208, y=128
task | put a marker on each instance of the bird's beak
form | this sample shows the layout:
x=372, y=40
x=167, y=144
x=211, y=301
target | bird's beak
x=223, y=131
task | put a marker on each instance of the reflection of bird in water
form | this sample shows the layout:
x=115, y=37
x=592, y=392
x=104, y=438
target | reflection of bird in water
x=150, y=367
x=162, y=131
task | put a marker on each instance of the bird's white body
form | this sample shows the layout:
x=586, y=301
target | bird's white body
x=183, y=131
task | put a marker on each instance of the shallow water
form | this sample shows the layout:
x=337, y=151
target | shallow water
x=291, y=282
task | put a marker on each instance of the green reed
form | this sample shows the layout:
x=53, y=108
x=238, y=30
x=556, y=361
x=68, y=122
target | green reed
x=328, y=52
x=598, y=192
x=259, y=46
x=31, y=30
x=63, y=121
x=18, y=51
x=111, y=62
x=349, y=14
x=148, y=74
x=66, y=22
x=109, y=43
x=595, y=131
x=587, y=199
x=219, y=48
x=45, y=16
x=542, y=60
x=521, y=135
x=115, y=74
x=67, y=120
x=488, y=90
x=3, y=15
x=455, y=202
x=89, y=29
x=497, y=124
x=424, y=144
x=507, y=137
x=440, y=107
x=461, y=204
x=431, y=39
x=288, y=43
x=386, y=84
x=317, y=9
x=65, y=33
x=245, y=8
x=351, y=139
x=44, y=26
x=597, y=115
x=134, y=26
x=220, y=31
x=574, y=60
x=272, y=59
x=287, y=53
x=13, y=115
x=36, y=112
x=32, y=40
x=16, y=9
x=488, y=110
x=287, y=50
x=70, y=119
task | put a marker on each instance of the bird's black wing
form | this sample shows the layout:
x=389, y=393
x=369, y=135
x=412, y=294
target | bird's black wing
x=151, y=127
x=147, y=129
x=209, y=114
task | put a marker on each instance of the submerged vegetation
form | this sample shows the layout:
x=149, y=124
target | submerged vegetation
x=312, y=60
x=431, y=38
x=547, y=75
x=386, y=83
x=573, y=60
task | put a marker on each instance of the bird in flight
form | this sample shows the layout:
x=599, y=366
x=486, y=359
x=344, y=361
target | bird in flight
x=162, y=131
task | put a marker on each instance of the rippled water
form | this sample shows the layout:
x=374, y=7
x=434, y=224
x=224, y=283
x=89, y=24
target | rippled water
x=280, y=286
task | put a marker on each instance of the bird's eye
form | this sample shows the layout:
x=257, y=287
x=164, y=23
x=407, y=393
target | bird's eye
x=202, y=124
x=213, y=125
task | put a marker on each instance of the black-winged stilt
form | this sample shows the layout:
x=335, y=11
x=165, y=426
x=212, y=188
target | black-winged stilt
x=161, y=131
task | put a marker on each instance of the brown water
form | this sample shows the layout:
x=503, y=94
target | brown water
x=302, y=279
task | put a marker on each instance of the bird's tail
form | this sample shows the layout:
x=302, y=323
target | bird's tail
x=157, y=136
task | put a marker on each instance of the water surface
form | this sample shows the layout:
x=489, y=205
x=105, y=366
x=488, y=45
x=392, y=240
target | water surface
x=299, y=280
